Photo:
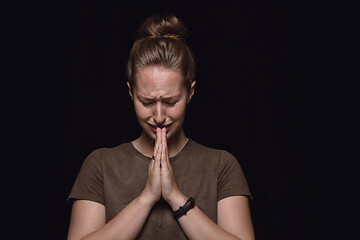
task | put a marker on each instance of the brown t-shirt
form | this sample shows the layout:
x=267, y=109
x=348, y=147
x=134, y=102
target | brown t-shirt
x=116, y=176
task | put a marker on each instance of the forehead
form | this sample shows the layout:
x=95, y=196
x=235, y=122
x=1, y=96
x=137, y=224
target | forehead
x=157, y=81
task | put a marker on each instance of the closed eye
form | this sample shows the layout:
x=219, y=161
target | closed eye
x=145, y=104
x=170, y=103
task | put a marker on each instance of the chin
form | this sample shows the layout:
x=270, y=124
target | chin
x=173, y=133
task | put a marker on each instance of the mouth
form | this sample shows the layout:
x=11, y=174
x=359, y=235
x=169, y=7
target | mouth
x=153, y=127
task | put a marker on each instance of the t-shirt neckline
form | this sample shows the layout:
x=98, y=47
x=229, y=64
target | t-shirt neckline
x=172, y=159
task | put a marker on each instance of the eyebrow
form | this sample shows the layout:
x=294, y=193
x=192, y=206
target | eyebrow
x=171, y=98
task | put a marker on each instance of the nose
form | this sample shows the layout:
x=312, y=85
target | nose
x=159, y=114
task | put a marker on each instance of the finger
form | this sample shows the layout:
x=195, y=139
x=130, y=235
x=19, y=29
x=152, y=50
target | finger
x=163, y=137
x=159, y=134
x=166, y=150
x=151, y=164
x=152, y=160
x=157, y=140
x=157, y=156
x=163, y=156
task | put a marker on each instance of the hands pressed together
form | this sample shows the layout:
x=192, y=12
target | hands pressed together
x=160, y=181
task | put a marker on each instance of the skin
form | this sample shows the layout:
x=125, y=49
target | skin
x=162, y=137
x=160, y=100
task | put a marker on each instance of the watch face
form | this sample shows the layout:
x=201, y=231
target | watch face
x=190, y=203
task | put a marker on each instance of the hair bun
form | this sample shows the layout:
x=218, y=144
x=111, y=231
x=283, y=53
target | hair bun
x=167, y=26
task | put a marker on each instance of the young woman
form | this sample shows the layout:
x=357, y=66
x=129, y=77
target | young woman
x=162, y=185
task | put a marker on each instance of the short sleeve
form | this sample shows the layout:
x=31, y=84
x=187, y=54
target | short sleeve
x=89, y=182
x=231, y=179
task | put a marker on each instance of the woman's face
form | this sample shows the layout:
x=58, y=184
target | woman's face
x=160, y=99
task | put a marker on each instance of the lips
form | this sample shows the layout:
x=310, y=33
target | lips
x=153, y=127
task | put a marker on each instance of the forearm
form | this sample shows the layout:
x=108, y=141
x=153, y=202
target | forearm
x=126, y=224
x=197, y=225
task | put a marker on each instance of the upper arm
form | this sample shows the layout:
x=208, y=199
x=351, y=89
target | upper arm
x=86, y=217
x=234, y=217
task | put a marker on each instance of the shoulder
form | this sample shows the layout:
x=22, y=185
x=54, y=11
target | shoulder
x=104, y=154
x=200, y=148
x=110, y=151
x=219, y=156
x=195, y=146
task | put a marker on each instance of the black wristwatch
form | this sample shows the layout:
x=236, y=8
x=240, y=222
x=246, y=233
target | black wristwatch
x=190, y=203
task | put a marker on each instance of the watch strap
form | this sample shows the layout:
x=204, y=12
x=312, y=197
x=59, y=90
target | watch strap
x=190, y=203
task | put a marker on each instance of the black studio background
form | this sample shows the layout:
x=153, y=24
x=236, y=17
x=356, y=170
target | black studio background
x=276, y=87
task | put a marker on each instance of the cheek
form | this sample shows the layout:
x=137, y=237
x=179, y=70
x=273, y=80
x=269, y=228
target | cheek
x=141, y=112
x=177, y=113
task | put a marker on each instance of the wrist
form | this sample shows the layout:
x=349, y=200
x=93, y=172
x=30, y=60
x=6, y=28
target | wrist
x=177, y=200
x=146, y=199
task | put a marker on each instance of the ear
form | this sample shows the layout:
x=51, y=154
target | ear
x=191, y=91
x=130, y=90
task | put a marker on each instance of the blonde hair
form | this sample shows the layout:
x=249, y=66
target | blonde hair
x=162, y=42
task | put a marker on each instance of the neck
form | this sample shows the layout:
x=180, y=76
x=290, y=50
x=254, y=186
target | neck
x=145, y=144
